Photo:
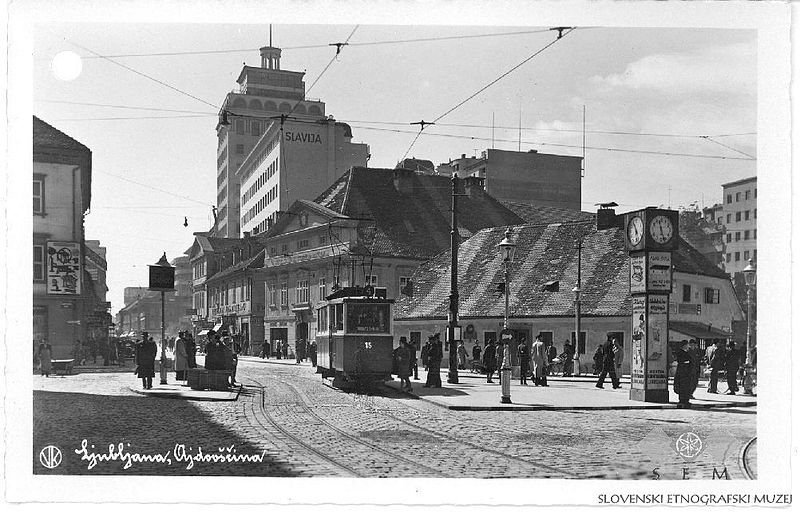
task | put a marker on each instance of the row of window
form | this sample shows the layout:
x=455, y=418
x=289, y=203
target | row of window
x=251, y=126
x=199, y=302
x=266, y=224
x=746, y=213
x=262, y=156
x=232, y=293
x=261, y=204
x=730, y=197
x=300, y=245
x=199, y=269
x=710, y=295
x=736, y=256
x=730, y=237
x=260, y=181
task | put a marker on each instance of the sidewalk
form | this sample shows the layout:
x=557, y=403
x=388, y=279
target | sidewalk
x=177, y=391
x=472, y=393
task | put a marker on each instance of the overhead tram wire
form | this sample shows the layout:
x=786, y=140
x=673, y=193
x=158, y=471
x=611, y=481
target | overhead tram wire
x=599, y=148
x=308, y=47
x=562, y=31
x=708, y=138
x=154, y=188
x=128, y=107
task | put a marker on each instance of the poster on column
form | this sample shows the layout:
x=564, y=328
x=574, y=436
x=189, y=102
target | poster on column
x=637, y=274
x=657, y=335
x=639, y=340
x=659, y=271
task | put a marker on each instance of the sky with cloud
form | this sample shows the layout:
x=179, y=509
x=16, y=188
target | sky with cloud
x=681, y=84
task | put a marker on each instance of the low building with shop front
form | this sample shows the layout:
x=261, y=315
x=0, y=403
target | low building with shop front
x=371, y=227
x=542, y=303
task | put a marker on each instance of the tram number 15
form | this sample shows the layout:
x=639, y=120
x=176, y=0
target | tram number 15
x=367, y=345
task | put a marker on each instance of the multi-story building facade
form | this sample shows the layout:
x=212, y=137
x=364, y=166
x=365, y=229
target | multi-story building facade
x=371, y=227
x=267, y=96
x=63, y=295
x=740, y=219
x=530, y=177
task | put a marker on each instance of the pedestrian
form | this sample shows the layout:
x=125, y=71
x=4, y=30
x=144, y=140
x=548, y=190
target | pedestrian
x=402, y=358
x=435, y=355
x=552, y=354
x=412, y=353
x=489, y=360
x=476, y=354
x=566, y=358
x=598, y=360
x=609, y=366
x=694, y=356
x=312, y=352
x=214, y=353
x=45, y=355
x=619, y=355
x=146, y=360
x=732, y=365
x=716, y=362
x=265, y=350
x=394, y=359
x=181, y=358
x=539, y=362
x=524, y=356
x=299, y=350
x=285, y=349
x=499, y=356
x=684, y=374
x=191, y=351
x=278, y=349
x=462, y=355
x=424, y=354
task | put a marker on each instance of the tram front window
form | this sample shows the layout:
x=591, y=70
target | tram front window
x=338, y=317
x=367, y=318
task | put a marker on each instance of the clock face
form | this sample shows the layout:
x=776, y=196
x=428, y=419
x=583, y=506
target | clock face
x=661, y=229
x=635, y=230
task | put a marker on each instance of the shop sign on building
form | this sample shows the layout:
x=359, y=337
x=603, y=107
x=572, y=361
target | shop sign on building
x=63, y=268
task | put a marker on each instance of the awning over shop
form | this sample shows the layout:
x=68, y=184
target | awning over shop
x=697, y=330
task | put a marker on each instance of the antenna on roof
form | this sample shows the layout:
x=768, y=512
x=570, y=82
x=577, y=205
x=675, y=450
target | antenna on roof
x=270, y=34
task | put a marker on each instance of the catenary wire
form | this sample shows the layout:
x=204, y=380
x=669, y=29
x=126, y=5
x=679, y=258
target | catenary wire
x=153, y=188
x=707, y=138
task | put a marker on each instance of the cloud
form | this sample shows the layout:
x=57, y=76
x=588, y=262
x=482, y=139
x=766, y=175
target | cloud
x=729, y=69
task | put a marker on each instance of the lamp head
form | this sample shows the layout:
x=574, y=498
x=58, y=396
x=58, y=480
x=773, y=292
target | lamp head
x=750, y=273
x=507, y=247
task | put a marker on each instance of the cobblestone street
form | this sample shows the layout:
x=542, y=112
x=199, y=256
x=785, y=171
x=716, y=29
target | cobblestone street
x=287, y=423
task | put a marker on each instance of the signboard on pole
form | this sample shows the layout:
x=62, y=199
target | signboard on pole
x=162, y=278
x=659, y=271
x=63, y=268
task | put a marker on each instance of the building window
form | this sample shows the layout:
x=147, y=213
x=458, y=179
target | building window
x=249, y=288
x=747, y=195
x=323, y=240
x=284, y=294
x=755, y=193
x=747, y=255
x=728, y=218
x=371, y=279
x=38, y=263
x=240, y=149
x=738, y=196
x=302, y=244
x=729, y=237
x=323, y=289
x=284, y=249
x=738, y=235
x=736, y=256
x=687, y=293
x=755, y=233
x=746, y=215
x=38, y=194
x=711, y=296
x=728, y=199
x=271, y=295
x=755, y=254
x=403, y=282
x=301, y=292
x=256, y=128
x=747, y=235
x=738, y=216
x=239, y=123
x=755, y=213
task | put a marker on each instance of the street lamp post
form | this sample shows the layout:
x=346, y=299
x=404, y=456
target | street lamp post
x=507, y=250
x=577, y=291
x=162, y=278
x=750, y=279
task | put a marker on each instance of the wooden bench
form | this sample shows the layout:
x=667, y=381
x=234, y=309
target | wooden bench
x=62, y=366
x=204, y=379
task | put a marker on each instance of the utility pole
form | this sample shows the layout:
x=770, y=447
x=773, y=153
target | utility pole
x=453, y=330
x=577, y=291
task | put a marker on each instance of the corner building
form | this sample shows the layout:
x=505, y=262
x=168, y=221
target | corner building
x=251, y=115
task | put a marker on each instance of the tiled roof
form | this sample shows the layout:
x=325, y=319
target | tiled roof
x=413, y=224
x=539, y=214
x=697, y=329
x=544, y=253
x=45, y=134
x=256, y=261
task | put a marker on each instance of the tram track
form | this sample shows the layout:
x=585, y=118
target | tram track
x=423, y=470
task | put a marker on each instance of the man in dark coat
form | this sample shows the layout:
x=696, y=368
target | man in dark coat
x=694, y=356
x=424, y=354
x=684, y=374
x=476, y=352
x=435, y=355
x=609, y=366
x=566, y=356
x=489, y=360
x=552, y=353
x=732, y=364
x=312, y=352
x=716, y=360
x=146, y=361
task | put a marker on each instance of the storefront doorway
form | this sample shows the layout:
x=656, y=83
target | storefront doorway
x=277, y=336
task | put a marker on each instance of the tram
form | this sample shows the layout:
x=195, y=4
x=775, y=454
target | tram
x=355, y=337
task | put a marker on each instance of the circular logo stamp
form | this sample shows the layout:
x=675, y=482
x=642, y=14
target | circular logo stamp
x=689, y=445
x=50, y=457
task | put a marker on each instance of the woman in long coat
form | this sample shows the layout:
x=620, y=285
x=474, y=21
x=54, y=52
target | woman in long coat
x=539, y=361
x=524, y=362
x=146, y=361
x=489, y=361
x=45, y=359
x=435, y=355
x=462, y=355
x=403, y=362
x=181, y=358
x=683, y=374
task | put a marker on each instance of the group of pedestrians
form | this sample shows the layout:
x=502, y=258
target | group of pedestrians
x=185, y=354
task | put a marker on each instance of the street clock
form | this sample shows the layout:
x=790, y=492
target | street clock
x=651, y=229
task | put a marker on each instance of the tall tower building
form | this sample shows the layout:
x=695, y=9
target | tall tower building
x=264, y=94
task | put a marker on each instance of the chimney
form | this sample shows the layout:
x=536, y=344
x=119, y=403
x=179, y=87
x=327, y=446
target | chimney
x=473, y=186
x=403, y=180
x=607, y=217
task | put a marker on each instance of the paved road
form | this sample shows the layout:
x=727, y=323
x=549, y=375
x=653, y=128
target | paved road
x=286, y=423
